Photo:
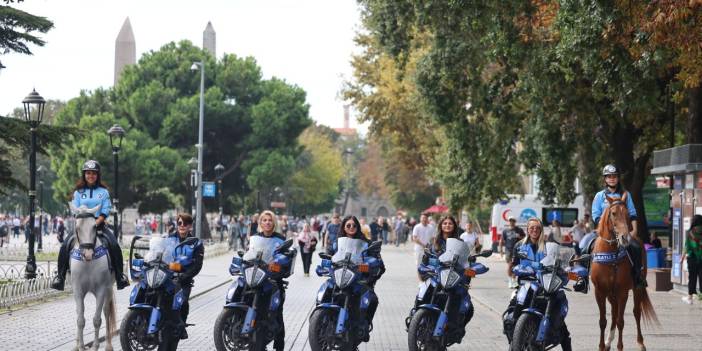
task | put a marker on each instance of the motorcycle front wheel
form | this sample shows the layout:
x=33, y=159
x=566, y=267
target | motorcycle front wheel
x=420, y=335
x=132, y=332
x=227, y=332
x=322, y=331
x=525, y=333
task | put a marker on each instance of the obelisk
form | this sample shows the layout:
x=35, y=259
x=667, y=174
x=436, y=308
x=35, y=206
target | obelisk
x=125, y=49
x=209, y=39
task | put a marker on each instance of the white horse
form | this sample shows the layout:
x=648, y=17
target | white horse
x=90, y=273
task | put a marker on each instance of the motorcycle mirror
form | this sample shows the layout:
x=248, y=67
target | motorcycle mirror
x=240, y=253
x=325, y=256
x=522, y=255
x=285, y=246
x=583, y=258
x=485, y=253
x=138, y=256
x=374, y=248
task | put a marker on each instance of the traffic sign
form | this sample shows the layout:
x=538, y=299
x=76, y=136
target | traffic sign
x=209, y=189
x=277, y=204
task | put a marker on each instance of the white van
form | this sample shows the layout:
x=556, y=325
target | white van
x=527, y=206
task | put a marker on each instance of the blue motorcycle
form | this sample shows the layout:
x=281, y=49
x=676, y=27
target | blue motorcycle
x=346, y=302
x=153, y=320
x=535, y=318
x=250, y=317
x=443, y=308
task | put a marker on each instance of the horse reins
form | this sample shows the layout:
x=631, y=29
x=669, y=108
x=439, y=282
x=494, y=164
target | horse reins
x=82, y=246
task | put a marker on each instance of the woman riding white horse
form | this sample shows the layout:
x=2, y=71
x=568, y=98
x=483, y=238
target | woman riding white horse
x=91, y=192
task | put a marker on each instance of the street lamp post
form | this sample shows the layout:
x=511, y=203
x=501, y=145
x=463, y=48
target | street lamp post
x=200, y=148
x=348, y=152
x=193, y=180
x=116, y=134
x=219, y=173
x=40, y=241
x=33, y=114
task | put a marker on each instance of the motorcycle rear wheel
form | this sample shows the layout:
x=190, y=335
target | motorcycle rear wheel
x=227, y=331
x=132, y=332
x=524, y=333
x=421, y=331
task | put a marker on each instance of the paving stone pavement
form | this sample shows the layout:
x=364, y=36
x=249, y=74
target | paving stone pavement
x=54, y=323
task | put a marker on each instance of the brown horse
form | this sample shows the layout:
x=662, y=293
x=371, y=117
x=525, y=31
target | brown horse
x=612, y=276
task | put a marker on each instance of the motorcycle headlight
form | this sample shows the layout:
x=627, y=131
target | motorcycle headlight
x=254, y=276
x=155, y=277
x=551, y=282
x=449, y=278
x=343, y=277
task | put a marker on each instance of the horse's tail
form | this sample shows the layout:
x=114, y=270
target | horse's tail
x=644, y=302
x=111, y=316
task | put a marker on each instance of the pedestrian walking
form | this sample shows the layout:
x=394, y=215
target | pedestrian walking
x=330, y=233
x=422, y=235
x=308, y=243
x=578, y=232
x=398, y=228
x=693, y=253
x=16, y=225
x=4, y=230
x=385, y=229
x=510, y=236
x=365, y=228
x=471, y=236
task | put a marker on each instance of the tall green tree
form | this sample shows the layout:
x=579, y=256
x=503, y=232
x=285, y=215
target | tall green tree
x=251, y=124
x=19, y=29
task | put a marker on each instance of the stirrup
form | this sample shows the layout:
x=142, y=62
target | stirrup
x=58, y=284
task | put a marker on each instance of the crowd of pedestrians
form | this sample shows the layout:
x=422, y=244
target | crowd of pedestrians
x=16, y=228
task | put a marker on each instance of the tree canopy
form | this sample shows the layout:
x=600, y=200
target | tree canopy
x=18, y=30
x=251, y=127
x=552, y=88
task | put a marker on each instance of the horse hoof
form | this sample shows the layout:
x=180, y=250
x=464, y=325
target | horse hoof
x=642, y=348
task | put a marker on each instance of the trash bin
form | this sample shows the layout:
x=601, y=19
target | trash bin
x=655, y=258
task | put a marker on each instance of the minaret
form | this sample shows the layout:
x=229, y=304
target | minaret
x=125, y=49
x=209, y=39
x=347, y=117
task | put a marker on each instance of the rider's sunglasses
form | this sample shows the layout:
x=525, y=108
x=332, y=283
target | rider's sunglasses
x=350, y=226
x=182, y=224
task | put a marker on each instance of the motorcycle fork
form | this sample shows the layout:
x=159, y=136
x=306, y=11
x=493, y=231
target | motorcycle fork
x=342, y=322
x=250, y=321
x=545, y=323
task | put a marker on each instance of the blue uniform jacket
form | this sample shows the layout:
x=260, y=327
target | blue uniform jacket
x=600, y=203
x=534, y=258
x=191, y=257
x=91, y=197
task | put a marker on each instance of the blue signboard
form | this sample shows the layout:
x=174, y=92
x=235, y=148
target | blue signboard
x=209, y=189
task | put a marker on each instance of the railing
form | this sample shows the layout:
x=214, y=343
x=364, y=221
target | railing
x=16, y=270
x=20, y=291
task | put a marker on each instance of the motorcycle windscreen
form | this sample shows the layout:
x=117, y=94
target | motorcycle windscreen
x=455, y=247
x=555, y=251
x=161, y=248
x=349, y=245
x=266, y=246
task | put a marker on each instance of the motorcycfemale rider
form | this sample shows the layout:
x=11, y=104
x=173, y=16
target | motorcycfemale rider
x=448, y=228
x=90, y=191
x=195, y=253
x=534, y=247
x=614, y=189
x=351, y=228
x=267, y=226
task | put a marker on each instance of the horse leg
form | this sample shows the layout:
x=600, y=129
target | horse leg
x=109, y=311
x=615, y=309
x=601, y=303
x=637, y=317
x=623, y=296
x=97, y=318
x=80, y=309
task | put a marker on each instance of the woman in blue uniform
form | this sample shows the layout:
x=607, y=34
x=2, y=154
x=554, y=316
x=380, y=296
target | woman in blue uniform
x=91, y=192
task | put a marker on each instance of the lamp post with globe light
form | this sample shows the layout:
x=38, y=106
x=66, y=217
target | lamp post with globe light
x=33, y=114
x=219, y=173
x=193, y=180
x=116, y=134
x=200, y=148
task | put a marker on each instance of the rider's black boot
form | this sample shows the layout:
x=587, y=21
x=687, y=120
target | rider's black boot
x=117, y=261
x=637, y=270
x=582, y=285
x=60, y=279
x=566, y=344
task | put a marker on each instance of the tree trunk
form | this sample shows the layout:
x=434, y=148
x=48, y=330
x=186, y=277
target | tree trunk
x=694, y=116
x=632, y=171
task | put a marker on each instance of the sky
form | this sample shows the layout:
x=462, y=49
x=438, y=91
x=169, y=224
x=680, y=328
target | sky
x=308, y=43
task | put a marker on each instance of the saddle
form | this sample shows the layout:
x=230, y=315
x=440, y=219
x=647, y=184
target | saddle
x=100, y=248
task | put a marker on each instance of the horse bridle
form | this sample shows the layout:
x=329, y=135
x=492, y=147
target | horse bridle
x=615, y=240
x=83, y=246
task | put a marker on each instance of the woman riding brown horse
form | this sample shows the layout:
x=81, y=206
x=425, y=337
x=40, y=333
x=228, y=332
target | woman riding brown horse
x=612, y=275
